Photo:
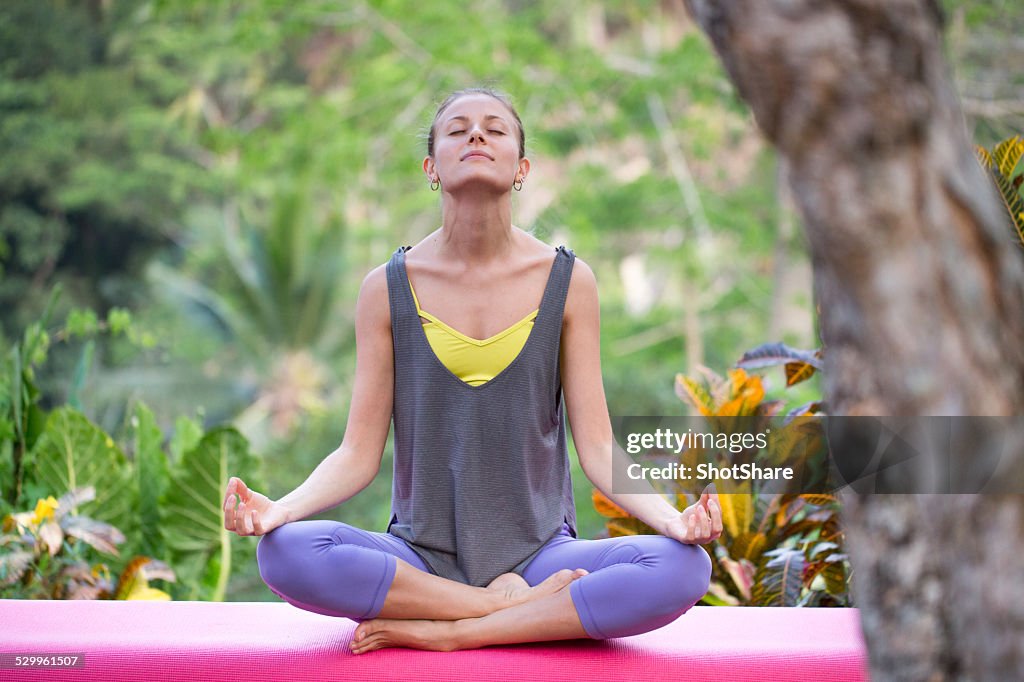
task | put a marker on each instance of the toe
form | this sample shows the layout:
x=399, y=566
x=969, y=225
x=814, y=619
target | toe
x=371, y=643
x=364, y=629
x=363, y=646
x=562, y=576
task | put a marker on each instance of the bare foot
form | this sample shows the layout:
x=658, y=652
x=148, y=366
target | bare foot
x=432, y=635
x=518, y=591
x=506, y=581
x=443, y=635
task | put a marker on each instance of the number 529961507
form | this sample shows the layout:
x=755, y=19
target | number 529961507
x=8, y=661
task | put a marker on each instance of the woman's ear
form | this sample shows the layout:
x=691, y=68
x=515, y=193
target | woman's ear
x=428, y=168
x=524, y=167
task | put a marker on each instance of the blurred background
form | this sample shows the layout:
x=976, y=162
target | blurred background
x=226, y=173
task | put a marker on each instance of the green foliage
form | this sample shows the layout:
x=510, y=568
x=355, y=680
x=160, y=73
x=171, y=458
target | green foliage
x=152, y=474
x=775, y=549
x=274, y=289
x=192, y=513
x=73, y=452
x=168, y=508
x=1001, y=164
x=92, y=173
x=46, y=555
x=187, y=434
x=273, y=130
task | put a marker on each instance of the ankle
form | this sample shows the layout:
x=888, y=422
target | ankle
x=461, y=635
x=491, y=600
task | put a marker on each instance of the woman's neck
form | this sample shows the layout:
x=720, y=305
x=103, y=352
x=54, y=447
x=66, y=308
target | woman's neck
x=475, y=231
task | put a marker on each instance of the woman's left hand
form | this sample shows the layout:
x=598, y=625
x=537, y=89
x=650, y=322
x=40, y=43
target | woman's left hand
x=700, y=523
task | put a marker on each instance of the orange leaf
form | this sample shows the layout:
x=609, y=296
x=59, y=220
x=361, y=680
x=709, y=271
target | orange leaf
x=606, y=507
x=797, y=372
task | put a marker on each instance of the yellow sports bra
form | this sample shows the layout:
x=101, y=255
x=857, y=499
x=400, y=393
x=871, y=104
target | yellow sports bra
x=472, y=360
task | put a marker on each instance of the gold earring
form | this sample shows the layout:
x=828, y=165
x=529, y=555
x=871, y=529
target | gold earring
x=518, y=184
x=434, y=184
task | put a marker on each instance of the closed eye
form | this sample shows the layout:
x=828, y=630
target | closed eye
x=459, y=132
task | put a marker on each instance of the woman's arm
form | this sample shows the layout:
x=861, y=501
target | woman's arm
x=587, y=409
x=355, y=463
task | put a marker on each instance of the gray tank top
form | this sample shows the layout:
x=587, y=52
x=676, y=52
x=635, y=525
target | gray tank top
x=481, y=475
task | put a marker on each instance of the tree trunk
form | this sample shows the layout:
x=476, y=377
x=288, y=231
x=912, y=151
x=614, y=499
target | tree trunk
x=920, y=290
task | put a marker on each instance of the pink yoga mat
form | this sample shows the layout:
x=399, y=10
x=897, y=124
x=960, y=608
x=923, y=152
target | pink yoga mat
x=205, y=641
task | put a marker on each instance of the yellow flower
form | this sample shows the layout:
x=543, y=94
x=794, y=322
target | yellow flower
x=44, y=510
x=144, y=592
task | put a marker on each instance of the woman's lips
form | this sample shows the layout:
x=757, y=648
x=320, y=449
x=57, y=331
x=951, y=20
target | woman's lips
x=473, y=155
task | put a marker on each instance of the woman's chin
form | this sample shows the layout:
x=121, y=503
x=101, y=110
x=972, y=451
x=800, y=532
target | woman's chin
x=478, y=186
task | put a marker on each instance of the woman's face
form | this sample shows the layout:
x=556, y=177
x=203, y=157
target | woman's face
x=476, y=145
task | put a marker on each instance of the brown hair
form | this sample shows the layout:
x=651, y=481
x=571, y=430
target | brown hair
x=500, y=96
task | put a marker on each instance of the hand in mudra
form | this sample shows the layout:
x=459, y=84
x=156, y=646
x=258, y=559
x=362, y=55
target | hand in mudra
x=256, y=513
x=700, y=523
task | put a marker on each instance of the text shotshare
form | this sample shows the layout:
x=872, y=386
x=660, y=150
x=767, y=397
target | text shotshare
x=666, y=439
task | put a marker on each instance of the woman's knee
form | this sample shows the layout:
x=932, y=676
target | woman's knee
x=280, y=552
x=322, y=567
x=285, y=555
x=306, y=560
x=681, y=574
x=689, y=575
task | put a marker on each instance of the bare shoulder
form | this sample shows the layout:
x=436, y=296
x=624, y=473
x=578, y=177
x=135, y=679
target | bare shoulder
x=582, y=296
x=537, y=250
x=582, y=275
x=373, y=305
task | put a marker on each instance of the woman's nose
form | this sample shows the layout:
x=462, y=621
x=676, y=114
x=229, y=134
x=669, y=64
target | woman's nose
x=475, y=133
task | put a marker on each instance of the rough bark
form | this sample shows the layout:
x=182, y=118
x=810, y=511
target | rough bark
x=920, y=291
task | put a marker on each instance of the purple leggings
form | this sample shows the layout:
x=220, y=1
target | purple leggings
x=635, y=584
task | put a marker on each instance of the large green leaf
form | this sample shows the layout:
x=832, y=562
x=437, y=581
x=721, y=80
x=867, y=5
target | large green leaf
x=194, y=518
x=72, y=452
x=187, y=434
x=152, y=474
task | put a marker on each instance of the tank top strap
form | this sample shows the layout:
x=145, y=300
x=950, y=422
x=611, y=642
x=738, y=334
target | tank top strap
x=552, y=305
x=404, y=314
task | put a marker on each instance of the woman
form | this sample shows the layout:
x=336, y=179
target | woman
x=481, y=547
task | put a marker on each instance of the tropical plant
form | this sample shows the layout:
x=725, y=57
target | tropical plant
x=775, y=549
x=42, y=557
x=22, y=421
x=274, y=292
x=1001, y=163
x=169, y=505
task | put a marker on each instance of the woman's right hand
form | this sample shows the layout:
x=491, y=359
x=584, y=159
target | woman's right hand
x=256, y=513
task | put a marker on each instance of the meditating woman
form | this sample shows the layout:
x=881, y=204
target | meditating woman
x=469, y=340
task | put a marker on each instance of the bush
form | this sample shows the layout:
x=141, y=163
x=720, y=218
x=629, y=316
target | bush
x=775, y=549
x=168, y=504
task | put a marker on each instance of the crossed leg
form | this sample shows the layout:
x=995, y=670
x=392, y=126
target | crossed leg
x=335, y=569
x=548, y=618
x=632, y=585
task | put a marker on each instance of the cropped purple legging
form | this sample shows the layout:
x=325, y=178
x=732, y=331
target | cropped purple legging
x=634, y=584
